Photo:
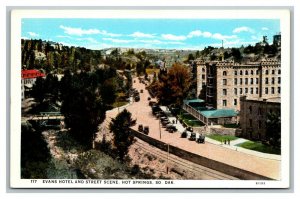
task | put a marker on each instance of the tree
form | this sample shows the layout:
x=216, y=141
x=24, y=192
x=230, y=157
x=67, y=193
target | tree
x=174, y=86
x=273, y=125
x=120, y=127
x=82, y=107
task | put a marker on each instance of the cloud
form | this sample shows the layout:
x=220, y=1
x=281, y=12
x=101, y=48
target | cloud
x=141, y=35
x=33, y=34
x=173, y=37
x=265, y=28
x=243, y=29
x=91, y=40
x=195, y=33
x=223, y=37
x=80, y=31
x=64, y=36
x=117, y=40
x=206, y=34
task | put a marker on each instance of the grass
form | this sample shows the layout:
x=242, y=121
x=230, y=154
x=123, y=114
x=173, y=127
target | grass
x=222, y=137
x=258, y=146
x=190, y=120
x=120, y=101
x=119, y=104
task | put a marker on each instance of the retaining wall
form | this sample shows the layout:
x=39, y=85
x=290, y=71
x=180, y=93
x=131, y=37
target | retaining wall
x=212, y=164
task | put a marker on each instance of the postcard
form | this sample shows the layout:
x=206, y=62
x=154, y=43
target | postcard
x=150, y=98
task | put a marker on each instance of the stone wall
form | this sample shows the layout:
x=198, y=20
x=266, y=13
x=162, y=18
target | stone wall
x=212, y=164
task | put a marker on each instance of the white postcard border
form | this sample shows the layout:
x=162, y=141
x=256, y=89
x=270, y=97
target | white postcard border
x=16, y=17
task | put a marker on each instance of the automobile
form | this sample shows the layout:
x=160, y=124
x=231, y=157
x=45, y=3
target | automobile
x=189, y=128
x=201, y=139
x=141, y=91
x=171, y=128
x=137, y=98
x=184, y=134
x=193, y=136
x=140, y=128
x=149, y=98
x=146, y=130
x=165, y=122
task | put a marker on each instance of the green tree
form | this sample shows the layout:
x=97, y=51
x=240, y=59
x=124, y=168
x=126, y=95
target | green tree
x=174, y=86
x=83, y=108
x=120, y=127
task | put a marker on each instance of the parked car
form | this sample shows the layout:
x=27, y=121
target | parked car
x=171, y=128
x=193, y=137
x=141, y=91
x=184, y=134
x=149, y=98
x=140, y=128
x=189, y=128
x=137, y=98
x=165, y=122
x=146, y=130
x=201, y=139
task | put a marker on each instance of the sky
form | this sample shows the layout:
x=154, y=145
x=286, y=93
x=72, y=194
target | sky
x=194, y=34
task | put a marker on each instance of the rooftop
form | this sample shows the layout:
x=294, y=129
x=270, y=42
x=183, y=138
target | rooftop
x=219, y=113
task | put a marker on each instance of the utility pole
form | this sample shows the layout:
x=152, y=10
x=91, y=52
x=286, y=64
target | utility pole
x=168, y=158
x=159, y=129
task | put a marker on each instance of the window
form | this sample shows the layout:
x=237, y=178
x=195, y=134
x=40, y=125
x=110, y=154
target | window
x=224, y=102
x=241, y=91
x=246, y=80
x=272, y=90
x=203, y=76
x=267, y=72
x=235, y=91
x=251, y=90
x=278, y=90
x=257, y=72
x=266, y=91
x=224, y=73
x=256, y=90
x=246, y=90
x=260, y=111
x=203, y=69
x=266, y=81
x=279, y=72
x=224, y=92
x=251, y=72
x=273, y=80
x=279, y=80
x=246, y=73
x=250, y=109
x=224, y=81
x=241, y=81
x=259, y=124
x=256, y=80
x=235, y=72
x=241, y=72
x=235, y=102
x=250, y=122
x=273, y=72
x=251, y=81
x=235, y=81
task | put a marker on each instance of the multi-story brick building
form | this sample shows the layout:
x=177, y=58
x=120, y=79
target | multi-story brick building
x=253, y=115
x=222, y=83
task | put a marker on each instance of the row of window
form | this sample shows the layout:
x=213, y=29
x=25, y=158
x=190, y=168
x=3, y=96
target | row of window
x=224, y=102
x=251, y=90
x=251, y=72
x=259, y=123
x=251, y=81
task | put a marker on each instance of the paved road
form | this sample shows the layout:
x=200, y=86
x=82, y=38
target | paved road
x=250, y=162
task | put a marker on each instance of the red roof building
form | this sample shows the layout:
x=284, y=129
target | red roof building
x=29, y=74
